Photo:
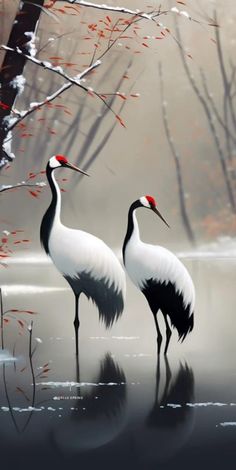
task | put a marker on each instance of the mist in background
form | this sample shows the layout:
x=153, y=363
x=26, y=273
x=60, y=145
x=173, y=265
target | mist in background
x=135, y=160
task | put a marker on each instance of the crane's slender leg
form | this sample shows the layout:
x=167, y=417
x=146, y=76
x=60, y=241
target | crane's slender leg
x=168, y=334
x=76, y=325
x=159, y=335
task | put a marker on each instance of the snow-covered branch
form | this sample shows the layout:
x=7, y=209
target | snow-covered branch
x=138, y=13
x=8, y=187
x=36, y=105
x=44, y=64
x=117, y=9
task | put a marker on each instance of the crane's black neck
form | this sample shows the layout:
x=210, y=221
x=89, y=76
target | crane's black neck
x=49, y=216
x=130, y=226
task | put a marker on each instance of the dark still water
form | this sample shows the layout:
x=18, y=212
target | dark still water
x=118, y=406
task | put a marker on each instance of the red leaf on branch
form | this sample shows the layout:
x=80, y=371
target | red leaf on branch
x=120, y=120
x=21, y=323
x=33, y=193
x=25, y=135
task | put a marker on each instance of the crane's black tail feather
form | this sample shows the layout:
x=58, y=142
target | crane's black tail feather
x=164, y=296
x=108, y=299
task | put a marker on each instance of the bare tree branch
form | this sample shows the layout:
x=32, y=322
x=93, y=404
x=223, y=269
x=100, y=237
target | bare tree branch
x=183, y=210
x=210, y=120
x=214, y=108
x=226, y=82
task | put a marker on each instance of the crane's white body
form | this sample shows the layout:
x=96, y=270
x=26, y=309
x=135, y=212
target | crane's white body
x=145, y=261
x=75, y=251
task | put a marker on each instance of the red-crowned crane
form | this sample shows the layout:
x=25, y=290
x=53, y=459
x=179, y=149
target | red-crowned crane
x=160, y=276
x=86, y=262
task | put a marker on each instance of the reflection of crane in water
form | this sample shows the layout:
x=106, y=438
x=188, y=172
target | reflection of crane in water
x=160, y=276
x=85, y=261
x=99, y=415
x=177, y=392
x=169, y=422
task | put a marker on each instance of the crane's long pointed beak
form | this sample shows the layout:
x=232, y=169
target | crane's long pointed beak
x=76, y=168
x=159, y=215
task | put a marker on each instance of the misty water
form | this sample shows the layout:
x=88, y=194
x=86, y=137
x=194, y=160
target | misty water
x=118, y=406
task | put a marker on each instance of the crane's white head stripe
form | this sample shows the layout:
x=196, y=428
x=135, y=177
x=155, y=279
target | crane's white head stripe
x=144, y=201
x=54, y=163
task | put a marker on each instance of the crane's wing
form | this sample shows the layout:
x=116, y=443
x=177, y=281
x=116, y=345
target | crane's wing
x=92, y=268
x=145, y=262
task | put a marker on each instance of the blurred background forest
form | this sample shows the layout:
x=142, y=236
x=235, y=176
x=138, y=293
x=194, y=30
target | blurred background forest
x=178, y=143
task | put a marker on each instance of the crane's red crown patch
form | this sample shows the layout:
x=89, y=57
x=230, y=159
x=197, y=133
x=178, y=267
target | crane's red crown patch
x=61, y=158
x=151, y=200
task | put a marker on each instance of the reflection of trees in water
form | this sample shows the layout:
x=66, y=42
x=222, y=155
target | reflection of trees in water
x=98, y=417
x=166, y=428
x=31, y=402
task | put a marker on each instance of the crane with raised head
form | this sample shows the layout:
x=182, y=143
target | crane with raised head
x=160, y=276
x=86, y=262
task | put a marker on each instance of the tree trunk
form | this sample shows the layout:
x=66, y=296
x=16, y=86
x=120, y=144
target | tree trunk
x=13, y=65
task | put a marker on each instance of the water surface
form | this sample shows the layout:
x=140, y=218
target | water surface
x=118, y=406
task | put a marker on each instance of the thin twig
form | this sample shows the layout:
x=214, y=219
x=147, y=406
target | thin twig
x=2, y=319
x=207, y=111
x=20, y=185
x=214, y=108
x=176, y=157
x=30, y=329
